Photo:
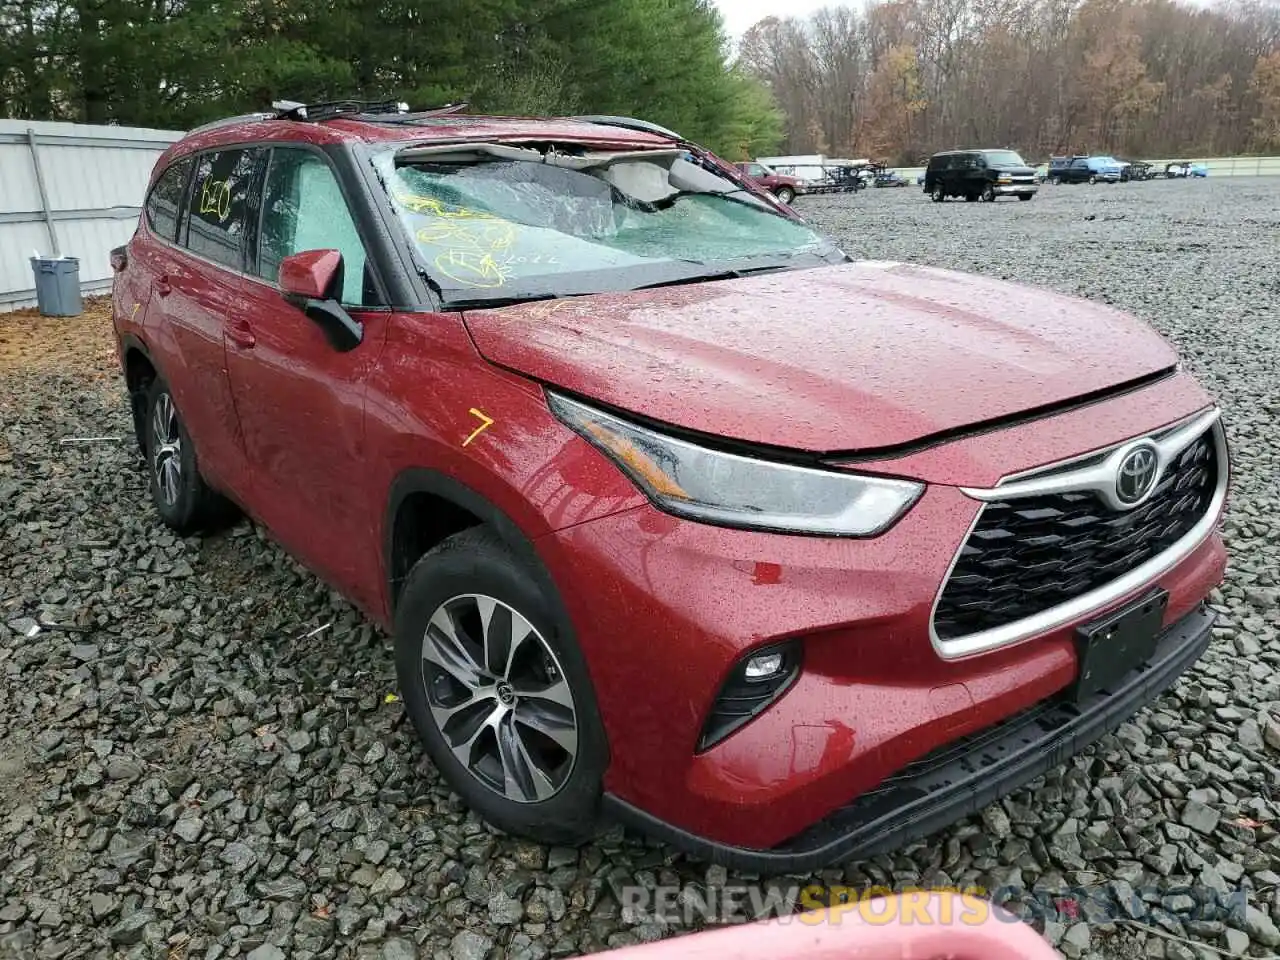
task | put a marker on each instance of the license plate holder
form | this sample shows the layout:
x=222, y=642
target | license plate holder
x=1110, y=647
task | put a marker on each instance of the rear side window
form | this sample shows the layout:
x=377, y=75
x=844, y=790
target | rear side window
x=219, y=204
x=164, y=203
x=303, y=209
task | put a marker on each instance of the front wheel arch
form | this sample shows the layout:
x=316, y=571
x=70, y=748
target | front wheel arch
x=467, y=508
x=421, y=481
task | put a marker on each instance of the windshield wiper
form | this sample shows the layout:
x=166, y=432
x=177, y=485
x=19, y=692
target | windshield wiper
x=492, y=303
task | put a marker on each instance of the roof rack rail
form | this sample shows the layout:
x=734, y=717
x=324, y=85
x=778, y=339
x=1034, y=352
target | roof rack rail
x=228, y=121
x=416, y=116
x=328, y=109
x=630, y=123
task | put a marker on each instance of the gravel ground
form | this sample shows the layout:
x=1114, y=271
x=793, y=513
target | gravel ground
x=204, y=757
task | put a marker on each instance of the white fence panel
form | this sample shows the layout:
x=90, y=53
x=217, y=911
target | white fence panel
x=73, y=190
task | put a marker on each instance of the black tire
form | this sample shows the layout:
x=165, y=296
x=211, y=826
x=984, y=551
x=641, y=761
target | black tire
x=477, y=561
x=182, y=498
x=938, y=194
x=1055, y=180
x=1025, y=196
x=786, y=195
x=989, y=194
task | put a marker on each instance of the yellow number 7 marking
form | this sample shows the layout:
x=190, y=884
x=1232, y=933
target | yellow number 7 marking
x=488, y=422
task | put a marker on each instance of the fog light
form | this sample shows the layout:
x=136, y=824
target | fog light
x=755, y=682
x=763, y=666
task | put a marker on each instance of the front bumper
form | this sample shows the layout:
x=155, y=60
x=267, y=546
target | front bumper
x=960, y=778
x=664, y=609
x=1016, y=189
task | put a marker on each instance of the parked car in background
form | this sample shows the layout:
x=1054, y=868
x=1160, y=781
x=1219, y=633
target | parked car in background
x=1080, y=169
x=1180, y=169
x=979, y=175
x=1124, y=166
x=541, y=396
x=781, y=186
x=890, y=178
x=1140, y=170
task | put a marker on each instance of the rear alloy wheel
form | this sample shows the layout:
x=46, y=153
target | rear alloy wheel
x=179, y=493
x=497, y=690
x=1055, y=181
x=938, y=194
x=785, y=195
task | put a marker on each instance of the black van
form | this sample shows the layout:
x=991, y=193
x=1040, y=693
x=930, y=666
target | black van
x=979, y=175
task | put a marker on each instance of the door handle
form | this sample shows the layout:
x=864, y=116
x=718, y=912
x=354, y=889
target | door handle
x=241, y=334
x=163, y=286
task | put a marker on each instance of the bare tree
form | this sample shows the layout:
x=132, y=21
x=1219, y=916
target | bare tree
x=901, y=78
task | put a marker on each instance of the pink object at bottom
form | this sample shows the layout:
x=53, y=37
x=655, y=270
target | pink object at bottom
x=919, y=926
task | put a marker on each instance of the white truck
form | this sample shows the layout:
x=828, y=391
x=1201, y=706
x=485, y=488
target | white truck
x=813, y=168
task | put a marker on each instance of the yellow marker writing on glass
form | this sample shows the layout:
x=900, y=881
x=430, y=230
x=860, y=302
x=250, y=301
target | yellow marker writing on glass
x=485, y=425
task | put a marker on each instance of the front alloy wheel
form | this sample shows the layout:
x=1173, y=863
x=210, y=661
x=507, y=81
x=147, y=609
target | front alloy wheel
x=786, y=195
x=499, y=698
x=989, y=194
x=497, y=688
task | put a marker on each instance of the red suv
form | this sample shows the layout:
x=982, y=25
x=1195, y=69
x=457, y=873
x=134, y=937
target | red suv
x=677, y=514
x=783, y=187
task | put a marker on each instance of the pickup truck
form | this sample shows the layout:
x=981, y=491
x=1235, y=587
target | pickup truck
x=784, y=188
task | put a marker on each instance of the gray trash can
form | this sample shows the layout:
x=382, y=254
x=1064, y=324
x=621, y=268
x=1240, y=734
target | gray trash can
x=57, y=286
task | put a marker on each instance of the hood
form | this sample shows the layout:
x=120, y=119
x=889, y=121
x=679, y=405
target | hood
x=1014, y=169
x=831, y=359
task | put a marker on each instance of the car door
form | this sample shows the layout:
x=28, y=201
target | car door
x=196, y=276
x=300, y=400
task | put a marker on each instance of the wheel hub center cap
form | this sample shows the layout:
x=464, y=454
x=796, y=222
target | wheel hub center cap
x=506, y=695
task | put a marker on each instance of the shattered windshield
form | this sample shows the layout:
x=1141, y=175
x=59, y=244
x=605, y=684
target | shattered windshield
x=494, y=222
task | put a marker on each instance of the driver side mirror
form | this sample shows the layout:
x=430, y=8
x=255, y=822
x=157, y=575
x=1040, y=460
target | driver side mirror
x=312, y=281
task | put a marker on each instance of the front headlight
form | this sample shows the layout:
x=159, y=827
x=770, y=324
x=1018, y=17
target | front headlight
x=736, y=491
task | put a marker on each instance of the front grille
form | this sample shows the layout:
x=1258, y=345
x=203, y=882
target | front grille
x=1029, y=554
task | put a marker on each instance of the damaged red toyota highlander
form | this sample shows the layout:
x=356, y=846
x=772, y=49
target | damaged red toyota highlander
x=678, y=515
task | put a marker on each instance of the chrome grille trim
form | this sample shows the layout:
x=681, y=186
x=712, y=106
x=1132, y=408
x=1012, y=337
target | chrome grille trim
x=1170, y=442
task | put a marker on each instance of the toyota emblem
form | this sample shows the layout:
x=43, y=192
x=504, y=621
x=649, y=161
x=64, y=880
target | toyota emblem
x=1137, y=474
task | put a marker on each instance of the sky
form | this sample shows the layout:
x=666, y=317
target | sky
x=741, y=14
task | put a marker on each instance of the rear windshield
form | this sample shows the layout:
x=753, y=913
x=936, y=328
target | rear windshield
x=501, y=223
x=1007, y=158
